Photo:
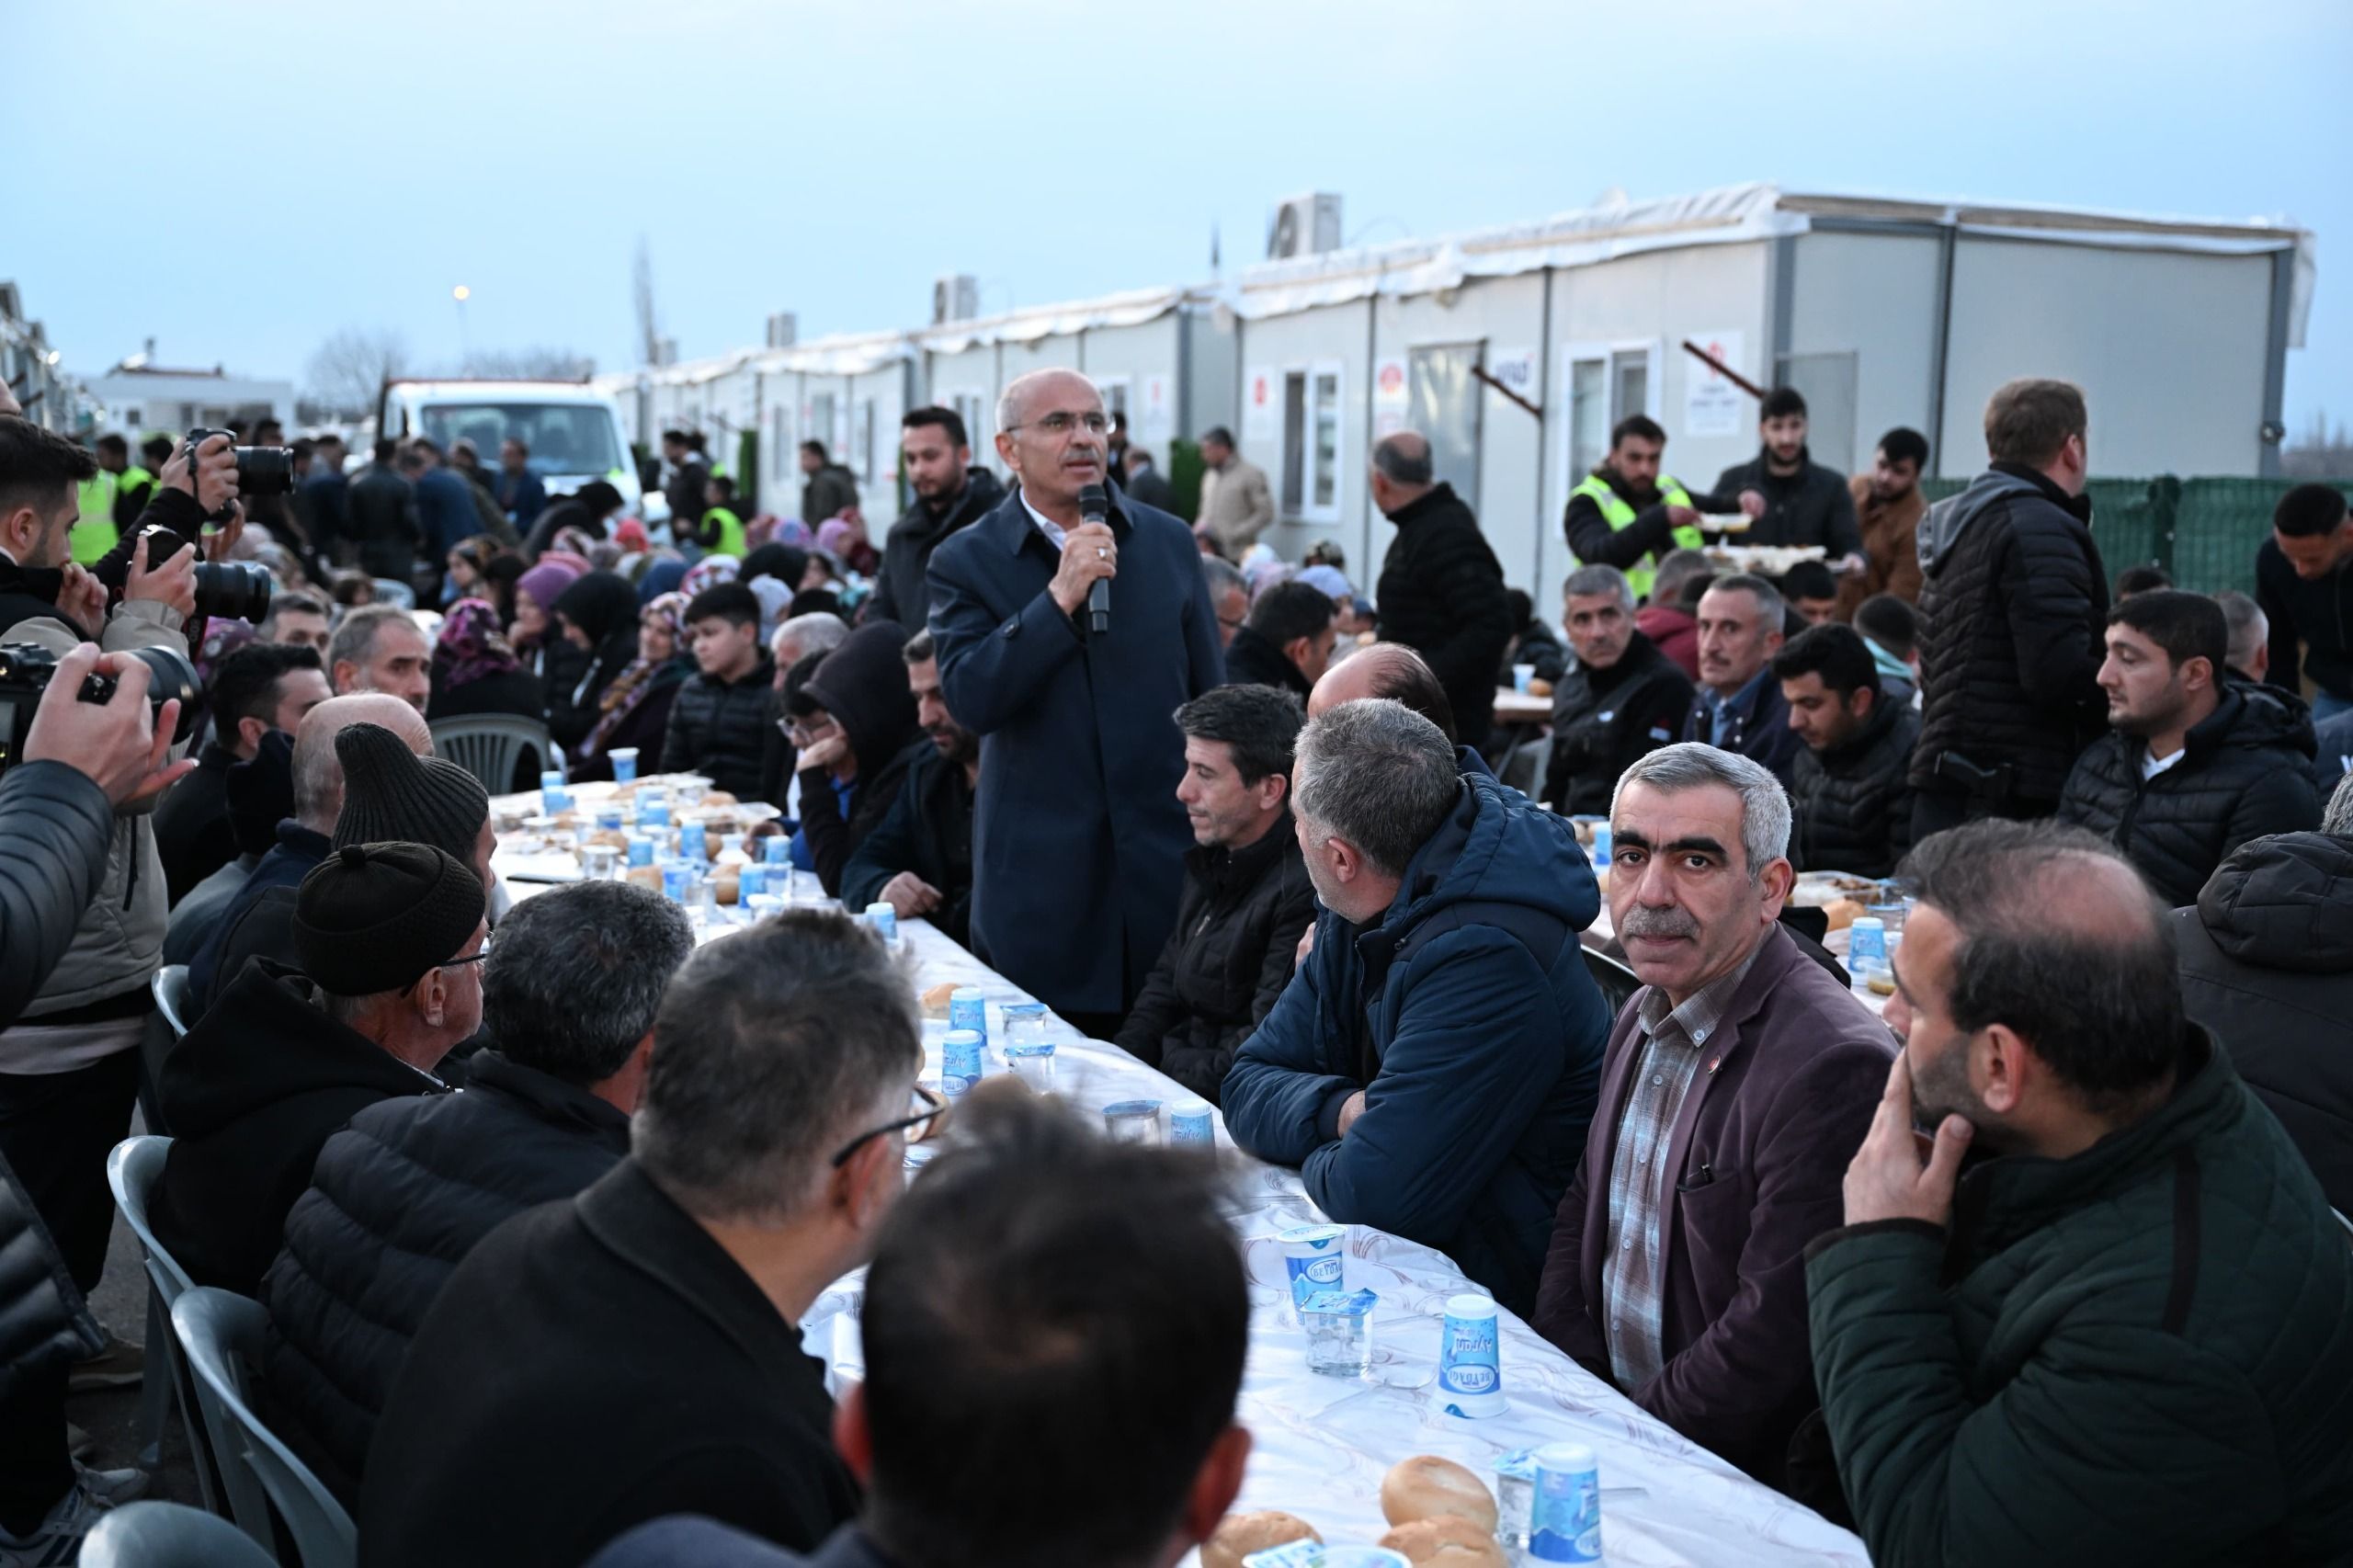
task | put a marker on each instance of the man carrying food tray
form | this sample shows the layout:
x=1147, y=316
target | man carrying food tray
x=1627, y=514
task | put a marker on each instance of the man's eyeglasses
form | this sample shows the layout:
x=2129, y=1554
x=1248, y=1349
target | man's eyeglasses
x=930, y=1110
x=1063, y=424
x=804, y=734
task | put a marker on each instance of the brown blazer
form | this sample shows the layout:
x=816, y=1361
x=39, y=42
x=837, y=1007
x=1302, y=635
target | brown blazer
x=1891, y=543
x=1783, y=1099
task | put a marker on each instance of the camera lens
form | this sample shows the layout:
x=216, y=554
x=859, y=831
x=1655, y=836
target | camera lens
x=237, y=590
x=265, y=471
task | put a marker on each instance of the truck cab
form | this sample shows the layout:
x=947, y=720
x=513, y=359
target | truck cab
x=572, y=432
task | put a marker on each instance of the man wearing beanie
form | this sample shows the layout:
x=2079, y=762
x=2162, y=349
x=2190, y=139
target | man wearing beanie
x=390, y=795
x=390, y=936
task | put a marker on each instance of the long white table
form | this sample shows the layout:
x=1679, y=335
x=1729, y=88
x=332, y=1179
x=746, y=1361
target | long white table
x=1323, y=1443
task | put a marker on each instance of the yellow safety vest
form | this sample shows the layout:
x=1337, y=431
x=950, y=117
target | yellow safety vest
x=731, y=532
x=96, y=533
x=1618, y=514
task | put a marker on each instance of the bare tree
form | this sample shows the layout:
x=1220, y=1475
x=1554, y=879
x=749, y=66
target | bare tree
x=536, y=363
x=346, y=371
x=648, y=327
x=2322, y=451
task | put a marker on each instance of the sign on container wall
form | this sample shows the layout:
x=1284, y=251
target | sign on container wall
x=1711, y=405
x=1261, y=419
x=1390, y=397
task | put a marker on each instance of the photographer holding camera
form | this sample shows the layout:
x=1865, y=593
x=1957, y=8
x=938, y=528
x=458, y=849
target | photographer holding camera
x=69, y=1064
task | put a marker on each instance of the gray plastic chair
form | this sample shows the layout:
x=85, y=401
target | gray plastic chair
x=488, y=745
x=392, y=591
x=131, y=1173
x=1618, y=982
x=167, y=1535
x=222, y=1333
x=163, y=1030
x=171, y=996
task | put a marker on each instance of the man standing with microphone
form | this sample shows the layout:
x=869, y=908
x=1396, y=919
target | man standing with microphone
x=1071, y=625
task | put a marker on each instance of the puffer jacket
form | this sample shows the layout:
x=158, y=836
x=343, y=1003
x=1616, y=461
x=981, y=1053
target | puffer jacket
x=1442, y=593
x=1238, y=926
x=2140, y=1354
x=1467, y=1017
x=721, y=731
x=1606, y=720
x=1851, y=808
x=2246, y=772
x=2013, y=611
x=56, y=828
x=2266, y=964
x=396, y=1200
x=44, y=1319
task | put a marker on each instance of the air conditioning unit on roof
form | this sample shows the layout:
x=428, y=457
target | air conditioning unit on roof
x=1303, y=226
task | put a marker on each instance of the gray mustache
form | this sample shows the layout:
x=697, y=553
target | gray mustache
x=1658, y=923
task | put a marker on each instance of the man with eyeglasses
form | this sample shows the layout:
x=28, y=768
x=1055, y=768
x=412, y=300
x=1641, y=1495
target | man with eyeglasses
x=1079, y=759
x=389, y=936
x=636, y=1351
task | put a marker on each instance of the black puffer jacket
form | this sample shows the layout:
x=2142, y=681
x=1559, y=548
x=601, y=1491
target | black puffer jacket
x=55, y=830
x=901, y=593
x=863, y=684
x=1812, y=506
x=2266, y=964
x=1252, y=660
x=927, y=830
x=1442, y=593
x=2013, y=606
x=721, y=731
x=1238, y=926
x=2247, y=772
x=1604, y=720
x=396, y=1201
x=1851, y=808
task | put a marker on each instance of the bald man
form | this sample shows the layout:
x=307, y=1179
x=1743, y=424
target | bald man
x=1396, y=671
x=1441, y=590
x=1078, y=839
x=302, y=839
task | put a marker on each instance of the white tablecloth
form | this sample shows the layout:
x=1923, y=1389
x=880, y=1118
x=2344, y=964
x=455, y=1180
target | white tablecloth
x=1321, y=1443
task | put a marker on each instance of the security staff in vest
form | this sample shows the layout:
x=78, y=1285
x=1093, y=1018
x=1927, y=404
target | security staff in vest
x=133, y=486
x=1627, y=514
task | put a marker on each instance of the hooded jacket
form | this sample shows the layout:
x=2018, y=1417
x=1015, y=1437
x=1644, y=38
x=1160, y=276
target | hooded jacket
x=863, y=684
x=1466, y=1015
x=1851, y=808
x=604, y=606
x=2136, y=1355
x=2246, y=772
x=1226, y=963
x=901, y=591
x=396, y=1200
x=252, y=1093
x=2013, y=611
x=1606, y=720
x=2266, y=964
x=929, y=831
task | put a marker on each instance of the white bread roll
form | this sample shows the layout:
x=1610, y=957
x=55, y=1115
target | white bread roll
x=1426, y=1485
x=1446, y=1540
x=1239, y=1535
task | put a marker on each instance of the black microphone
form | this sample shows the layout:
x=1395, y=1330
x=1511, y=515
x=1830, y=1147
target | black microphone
x=1094, y=507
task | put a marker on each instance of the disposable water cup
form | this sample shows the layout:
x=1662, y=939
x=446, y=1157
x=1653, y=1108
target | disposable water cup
x=624, y=764
x=1522, y=676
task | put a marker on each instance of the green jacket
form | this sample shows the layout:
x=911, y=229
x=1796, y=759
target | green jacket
x=2143, y=1354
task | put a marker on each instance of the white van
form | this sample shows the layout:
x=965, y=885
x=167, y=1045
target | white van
x=573, y=432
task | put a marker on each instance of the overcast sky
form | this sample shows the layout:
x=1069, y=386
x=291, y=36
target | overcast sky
x=241, y=181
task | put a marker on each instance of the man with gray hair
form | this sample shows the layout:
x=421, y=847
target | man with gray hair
x=636, y=1352
x=1441, y=589
x=2249, y=631
x=1621, y=700
x=398, y=1197
x=1738, y=1082
x=1739, y=706
x=1430, y=1070
x=1229, y=596
x=380, y=648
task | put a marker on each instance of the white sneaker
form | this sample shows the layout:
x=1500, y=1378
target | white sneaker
x=110, y=1488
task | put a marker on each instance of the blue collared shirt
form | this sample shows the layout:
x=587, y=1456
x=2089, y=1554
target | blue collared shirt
x=1722, y=708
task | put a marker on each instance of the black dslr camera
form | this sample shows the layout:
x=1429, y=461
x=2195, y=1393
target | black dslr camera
x=238, y=590
x=261, y=471
x=26, y=669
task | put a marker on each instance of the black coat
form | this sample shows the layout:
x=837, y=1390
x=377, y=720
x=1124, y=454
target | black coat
x=380, y=511
x=863, y=685
x=1851, y=808
x=56, y=828
x=927, y=830
x=1538, y=645
x=721, y=731
x=2266, y=964
x=900, y=592
x=517, y=691
x=1151, y=489
x=252, y=1093
x=1079, y=757
x=2331, y=754
x=397, y=1200
x=192, y=832
x=2311, y=616
x=1760, y=727
x=1251, y=660
x=592, y=1365
x=1442, y=593
x=1227, y=962
x=2247, y=772
x=1606, y=720
x=644, y=726
x=2013, y=613
x=1812, y=506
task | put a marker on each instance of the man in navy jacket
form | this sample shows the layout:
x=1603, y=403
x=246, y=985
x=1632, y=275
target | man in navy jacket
x=1432, y=1067
x=1078, y=839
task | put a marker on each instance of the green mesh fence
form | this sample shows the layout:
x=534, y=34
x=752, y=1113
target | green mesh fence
x=2204, y=531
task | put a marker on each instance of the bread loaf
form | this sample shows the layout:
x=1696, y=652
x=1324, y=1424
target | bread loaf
x=1426, y=1485
x=1446, y=1540
x=1239, y=1535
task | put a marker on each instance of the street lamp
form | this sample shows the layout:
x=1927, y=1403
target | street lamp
x=461, y=294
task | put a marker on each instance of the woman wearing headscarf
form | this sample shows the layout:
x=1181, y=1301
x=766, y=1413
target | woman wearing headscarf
x=598, y=615
x=536, y=638
x=634, y=711
x=663, y=574
x=709, y=573
x=475, y=669
x=844, y=539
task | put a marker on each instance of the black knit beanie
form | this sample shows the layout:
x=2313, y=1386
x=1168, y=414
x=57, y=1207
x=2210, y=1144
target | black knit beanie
x=390, y=795
x=374, y=918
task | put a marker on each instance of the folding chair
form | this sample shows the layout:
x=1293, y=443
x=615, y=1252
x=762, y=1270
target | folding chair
x=131, y=1172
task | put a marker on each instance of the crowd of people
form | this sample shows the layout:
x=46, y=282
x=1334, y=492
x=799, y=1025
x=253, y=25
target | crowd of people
x=531, y=1190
